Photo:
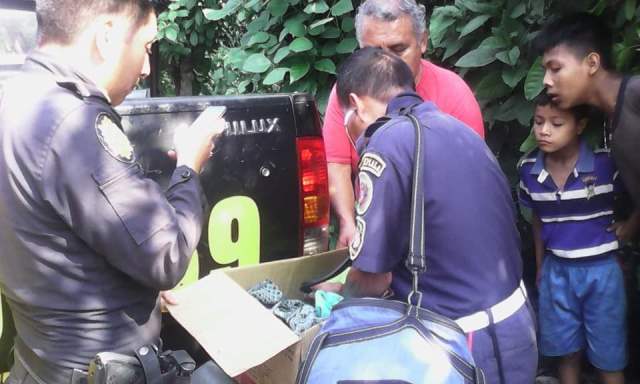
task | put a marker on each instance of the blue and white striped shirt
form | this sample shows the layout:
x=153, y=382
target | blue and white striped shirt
x=574, y=219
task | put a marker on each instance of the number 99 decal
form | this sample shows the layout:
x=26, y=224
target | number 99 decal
x=234, y=235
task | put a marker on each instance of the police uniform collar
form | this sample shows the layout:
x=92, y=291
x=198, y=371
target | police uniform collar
x=66, y=76
x=402, y=101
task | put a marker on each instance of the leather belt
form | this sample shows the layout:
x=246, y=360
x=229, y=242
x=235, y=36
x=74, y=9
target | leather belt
x=499, y=312
x=44, y=372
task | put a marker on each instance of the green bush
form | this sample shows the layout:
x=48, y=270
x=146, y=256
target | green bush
x=489, y=44
x=269, y=46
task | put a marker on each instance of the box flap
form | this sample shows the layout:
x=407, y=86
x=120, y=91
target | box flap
x=234, y=328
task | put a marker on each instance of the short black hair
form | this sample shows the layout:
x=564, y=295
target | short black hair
x=579, y=112
x=581, y=32
x=60, y=21
x=375, y=73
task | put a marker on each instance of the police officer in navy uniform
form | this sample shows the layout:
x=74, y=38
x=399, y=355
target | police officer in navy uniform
x=472, y=245
x=87, y=240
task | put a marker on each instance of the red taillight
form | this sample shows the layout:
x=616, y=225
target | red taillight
x=314, y=194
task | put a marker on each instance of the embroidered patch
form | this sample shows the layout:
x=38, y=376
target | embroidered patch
x=590, y=185
x=373, y=163
x=358, y=239
x=365, y=193
x=113, y=139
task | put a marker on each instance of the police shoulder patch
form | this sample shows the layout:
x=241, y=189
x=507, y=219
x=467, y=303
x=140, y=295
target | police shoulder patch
x=365, y=193
x=113, y=139
x=372, y=163
x=358, y=239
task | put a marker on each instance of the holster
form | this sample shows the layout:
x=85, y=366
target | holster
x=148, y=367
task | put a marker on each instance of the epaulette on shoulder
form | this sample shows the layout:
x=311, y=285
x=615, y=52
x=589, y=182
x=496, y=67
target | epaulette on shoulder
x=74, y=86
x=529, y=157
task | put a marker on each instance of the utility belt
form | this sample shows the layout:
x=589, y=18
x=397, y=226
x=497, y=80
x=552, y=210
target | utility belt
x=149, y=366
x=496, y=313
x=44, y=372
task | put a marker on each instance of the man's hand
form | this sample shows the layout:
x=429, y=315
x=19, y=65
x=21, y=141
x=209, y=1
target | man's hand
x=193, y=145
x=347, y=231
x=166, y=299
x=625, y=230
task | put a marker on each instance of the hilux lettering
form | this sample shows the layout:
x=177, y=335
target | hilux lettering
x=252, y=127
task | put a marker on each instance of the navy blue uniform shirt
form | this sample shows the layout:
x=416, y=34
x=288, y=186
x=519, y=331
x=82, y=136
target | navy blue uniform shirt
x=471, y=242
x=87, y=240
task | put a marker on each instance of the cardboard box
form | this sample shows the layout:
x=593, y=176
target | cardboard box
x=238, y=332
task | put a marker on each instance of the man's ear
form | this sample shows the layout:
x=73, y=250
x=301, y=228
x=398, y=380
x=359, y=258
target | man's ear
x=355, y=102
x=104, y=38
x=582, y=124
x=424, y=42
x=593, y=61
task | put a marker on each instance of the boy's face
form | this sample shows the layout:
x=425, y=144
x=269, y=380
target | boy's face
x=567, y=76
x=555, y=128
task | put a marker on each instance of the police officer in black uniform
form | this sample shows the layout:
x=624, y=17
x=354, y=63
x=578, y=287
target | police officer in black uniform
x=87, y=241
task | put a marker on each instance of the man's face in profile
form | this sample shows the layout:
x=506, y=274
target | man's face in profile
x=566, y=76
x=397, y=37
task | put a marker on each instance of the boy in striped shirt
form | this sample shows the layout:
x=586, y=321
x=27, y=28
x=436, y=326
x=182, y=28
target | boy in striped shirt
x=570, y=190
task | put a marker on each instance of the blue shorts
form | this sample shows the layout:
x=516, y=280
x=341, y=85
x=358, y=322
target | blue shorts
x=582, y=306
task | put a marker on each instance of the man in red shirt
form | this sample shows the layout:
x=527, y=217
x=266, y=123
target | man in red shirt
x=399, y=27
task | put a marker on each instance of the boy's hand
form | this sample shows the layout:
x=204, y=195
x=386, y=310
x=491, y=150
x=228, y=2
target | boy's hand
x=624, y=230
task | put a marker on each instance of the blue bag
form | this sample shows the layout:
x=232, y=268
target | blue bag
x=373, y=340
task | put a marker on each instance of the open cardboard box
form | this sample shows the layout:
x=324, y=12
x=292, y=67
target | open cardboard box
x=237, y=331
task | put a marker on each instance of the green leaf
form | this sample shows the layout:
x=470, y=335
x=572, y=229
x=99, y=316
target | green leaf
x=442, y=19
x=329, y=49
x=348, y=24
x=298, y=71
x=491, y=87
x=278, y=7
x=452, y=48
x=516, y=108
x=480, y=7
x=320, y=22
x=199, y=17
x=236, y=57
x=529, y=143
x=533, y=84
x=300, y=44
x=513, y=76
x=258, y=38
x=629, y=9
x=347, y=45
x=474, y=24
x=519, y=10
x=330, y=33
x=296, y=29
x=316, y=31
x=281, y=54
x=341, y=7
x=193, y=39
x=259, y=23
x=275, y=76
x=316, y=7
x=495, y=42
x=218, y=14
x=509, y=57
x=256, y=63
x=325, y=65
x=479, y=57
x=171, y=32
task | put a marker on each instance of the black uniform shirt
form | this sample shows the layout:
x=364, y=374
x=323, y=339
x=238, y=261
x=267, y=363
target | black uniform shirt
x=626, y=136
x=87, y=240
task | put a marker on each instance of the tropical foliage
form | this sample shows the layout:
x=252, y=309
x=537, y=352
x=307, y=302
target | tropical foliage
x=235, y=47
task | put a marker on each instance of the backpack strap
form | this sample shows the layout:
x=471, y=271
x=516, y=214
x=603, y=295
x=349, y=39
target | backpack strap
x=416, y=261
